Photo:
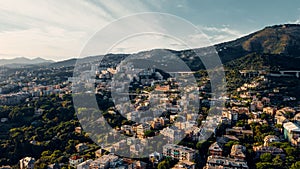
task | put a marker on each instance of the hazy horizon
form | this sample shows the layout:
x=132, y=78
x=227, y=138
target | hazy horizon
x=56, y=30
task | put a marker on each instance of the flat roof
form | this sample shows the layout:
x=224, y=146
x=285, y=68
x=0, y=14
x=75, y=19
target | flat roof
x=290, y=126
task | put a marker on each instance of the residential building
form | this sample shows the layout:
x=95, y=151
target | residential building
x=257, y=120
x=226, y=138
x=155, y=157
x=106, y=161
x=285, y=111
x=239, y=132
x=269, y=139
x=232, y=116
x=136, y=149
x=259, y=150
x=256, y=105
x=85, y=164
x=81, y=147
x=27, y=163
x=119, y=145
x=179, y=152
x=54, y=166
x=297, y=118
x=173, y=133
x=185, y=165
x=126, y=128
x=280, y=119
x=240, y=110
x=142, y=128
x=269, y=110
x=75, y=160
x=216, y=162
x=99, y=153
x=238, y=152
x=137, y=165
x=162, y=88
x=185, y=125
x=157, y=123
x=78, y=130
x=215, y=149
x=292, y=133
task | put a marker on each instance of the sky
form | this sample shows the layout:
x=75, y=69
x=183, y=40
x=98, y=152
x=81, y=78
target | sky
x=58, y=30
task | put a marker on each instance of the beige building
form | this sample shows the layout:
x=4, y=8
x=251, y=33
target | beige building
x=269, y=139
x=238, y=152
x=215, y=149
x=142, y=128
x=218, y=162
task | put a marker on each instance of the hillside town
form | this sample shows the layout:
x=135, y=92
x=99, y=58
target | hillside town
x=258, y=124
x=170, y=84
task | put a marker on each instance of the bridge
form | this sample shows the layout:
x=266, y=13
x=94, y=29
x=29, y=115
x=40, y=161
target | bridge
x=290, y=72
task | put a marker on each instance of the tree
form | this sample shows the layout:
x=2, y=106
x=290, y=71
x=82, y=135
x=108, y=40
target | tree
x=40, y=165
x=46, y=153
x=164, y=165
x=290, y=151
x=277, y=161
x=296, y=165
x=240, y=123
x=279, y=126
x=202, y=145
x=149, y=133
x=264, y=165
x=266, y=157
x=289, y=160
x=264, y=116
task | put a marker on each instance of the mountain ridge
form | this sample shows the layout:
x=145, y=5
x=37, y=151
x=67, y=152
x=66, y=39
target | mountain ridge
x=276, y=40
x=280, y=41
x=23, y=61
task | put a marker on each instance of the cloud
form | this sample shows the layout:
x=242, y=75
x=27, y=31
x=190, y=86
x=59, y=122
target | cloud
x=51, y=42
x=65, y=14
x=147, y=42
x=296, y=22
x=221, y=34
x=55, y=29
x=60, y=29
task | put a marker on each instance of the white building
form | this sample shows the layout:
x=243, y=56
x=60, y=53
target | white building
x=155, y=157
x=27, y=163
x=75, y=160
x=292, y=133
x=173, y=133
x=85, y=164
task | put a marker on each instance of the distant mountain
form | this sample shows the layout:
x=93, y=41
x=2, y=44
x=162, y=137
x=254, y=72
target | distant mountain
x=65, y=63
x=22, y=61
x=104, y=58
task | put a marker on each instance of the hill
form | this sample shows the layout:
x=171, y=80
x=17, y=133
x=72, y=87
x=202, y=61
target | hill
x=23, y=61
x=278, y=47
x=280, y=42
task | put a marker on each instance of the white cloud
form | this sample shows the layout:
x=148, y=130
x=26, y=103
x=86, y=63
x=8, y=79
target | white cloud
x=60, y=29
x=296, y=22
x=46, y=43
x=55, y=29
x=147, y=42
x=222, y=34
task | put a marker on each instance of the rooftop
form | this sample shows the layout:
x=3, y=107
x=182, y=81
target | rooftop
x=290, y=126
